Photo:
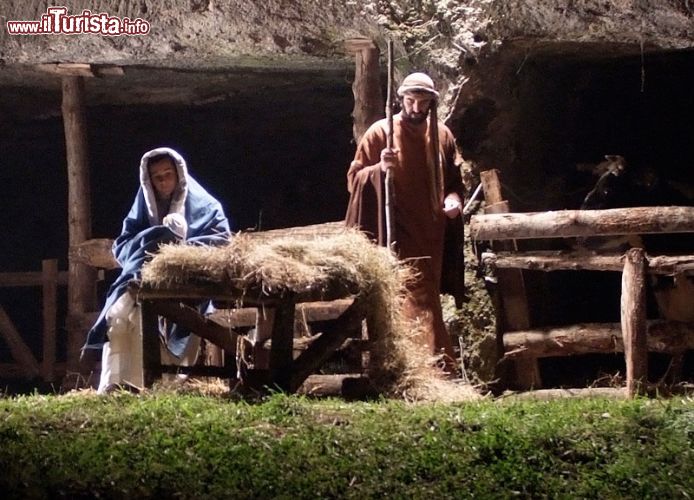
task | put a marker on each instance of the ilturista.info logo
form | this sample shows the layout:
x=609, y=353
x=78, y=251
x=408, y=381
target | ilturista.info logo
x=57, y=21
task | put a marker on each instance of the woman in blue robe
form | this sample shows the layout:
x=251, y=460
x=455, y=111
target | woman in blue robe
x=170, y=207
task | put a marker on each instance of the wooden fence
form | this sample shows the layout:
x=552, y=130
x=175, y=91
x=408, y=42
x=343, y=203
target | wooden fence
x=25, y=364
x=634, y=335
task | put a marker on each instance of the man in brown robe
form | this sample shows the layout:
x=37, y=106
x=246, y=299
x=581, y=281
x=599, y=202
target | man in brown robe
x=426, y=193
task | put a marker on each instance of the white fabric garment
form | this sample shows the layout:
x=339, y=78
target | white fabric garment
x=121, y=359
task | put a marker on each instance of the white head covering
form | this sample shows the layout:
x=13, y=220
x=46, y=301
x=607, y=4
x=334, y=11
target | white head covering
x=178, y=199
x=417, y=82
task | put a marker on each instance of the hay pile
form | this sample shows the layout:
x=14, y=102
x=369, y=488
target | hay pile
x=342, y=259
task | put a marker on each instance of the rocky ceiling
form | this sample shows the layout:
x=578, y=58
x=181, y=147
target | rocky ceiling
x=201, y=50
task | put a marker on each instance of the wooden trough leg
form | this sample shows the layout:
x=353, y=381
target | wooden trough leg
x=633, y=316
x=151, y=354
x=282, y=350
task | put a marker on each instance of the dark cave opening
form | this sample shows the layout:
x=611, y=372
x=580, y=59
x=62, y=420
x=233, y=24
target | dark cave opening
x=274, y=158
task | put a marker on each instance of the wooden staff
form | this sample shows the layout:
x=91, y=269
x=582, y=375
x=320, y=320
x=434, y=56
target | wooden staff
x=390, y=190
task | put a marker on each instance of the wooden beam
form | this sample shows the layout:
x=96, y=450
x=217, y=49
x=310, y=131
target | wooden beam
x=50, y=315
x=574, y=223
x=97, y=252
x=633, y=314
x=575, y=261
x=368, y=99
x=82, y=281
x=30, y=278
x=348, y=385
x=20, y=352
x=67, y=69
x=669, y=337
x=80, y=69
x=189, y=318
x=353, y=45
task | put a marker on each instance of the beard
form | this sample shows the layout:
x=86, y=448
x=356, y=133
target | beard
x=414, y=118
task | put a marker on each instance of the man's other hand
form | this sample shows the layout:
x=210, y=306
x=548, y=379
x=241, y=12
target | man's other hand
x=452, y=205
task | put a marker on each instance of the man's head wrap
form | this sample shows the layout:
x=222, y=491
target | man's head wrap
x=419, y=83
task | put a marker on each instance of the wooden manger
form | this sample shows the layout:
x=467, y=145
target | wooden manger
x=261, y=323
x=634, y=335
x=270, y=360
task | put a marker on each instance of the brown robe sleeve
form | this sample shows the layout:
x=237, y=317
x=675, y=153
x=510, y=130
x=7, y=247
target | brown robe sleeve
x=366, y=207
x=453, y=266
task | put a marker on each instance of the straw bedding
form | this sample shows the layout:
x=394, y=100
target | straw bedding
x=320, y=259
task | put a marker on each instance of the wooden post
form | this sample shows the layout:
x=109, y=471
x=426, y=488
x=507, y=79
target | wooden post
x=511, y=287
x=368, y=99
x=633, y=316
x=82, y=281
x=50, y=294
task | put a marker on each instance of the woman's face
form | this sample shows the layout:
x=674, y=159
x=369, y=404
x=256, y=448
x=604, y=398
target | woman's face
x=164, y=178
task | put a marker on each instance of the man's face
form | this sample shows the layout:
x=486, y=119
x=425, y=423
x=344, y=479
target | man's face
x=415, y=107
x=164, y=178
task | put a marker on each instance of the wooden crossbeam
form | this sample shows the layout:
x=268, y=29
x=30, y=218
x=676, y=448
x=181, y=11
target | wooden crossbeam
x=670, y=337
x=576, y=261
x=189, y=318
x=575, y=223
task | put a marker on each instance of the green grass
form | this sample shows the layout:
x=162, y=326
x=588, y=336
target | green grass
x=190, y=446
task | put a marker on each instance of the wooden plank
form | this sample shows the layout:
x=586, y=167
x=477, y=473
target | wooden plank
x=200, y=370
x=17, y=371
x=50, y=315
x=633, y=315
x=108, y=70
x=20, y=352
x=323, y=347
x=491, y=186
x=575, y=261
x=514, y=302
x=12, y=371
x=246, y=297
x=574, y=223
x=306, y=311
x=350, y=386
x=82, y=281
x=67, y=69
x=670, y=337
x=310, y=231
x=359, y=44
